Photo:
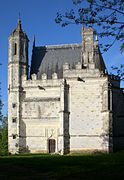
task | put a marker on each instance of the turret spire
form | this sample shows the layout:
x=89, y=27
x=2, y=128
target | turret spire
x=19, y=16
x=19, y=25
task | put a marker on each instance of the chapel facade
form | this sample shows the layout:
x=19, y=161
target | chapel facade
x=67, y=103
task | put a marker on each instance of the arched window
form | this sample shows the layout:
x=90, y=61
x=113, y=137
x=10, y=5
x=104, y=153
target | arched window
x=15, y=48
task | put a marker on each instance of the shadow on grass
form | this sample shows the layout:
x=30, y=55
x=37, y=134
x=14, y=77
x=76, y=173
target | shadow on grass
x=98, y=166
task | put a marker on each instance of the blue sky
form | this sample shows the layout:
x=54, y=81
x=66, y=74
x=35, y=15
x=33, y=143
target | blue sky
x=38, y=18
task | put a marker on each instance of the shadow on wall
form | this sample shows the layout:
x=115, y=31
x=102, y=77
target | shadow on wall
x=107, y=136
x=118, y=120
x=107, y=142
x=66, y=120
x=23, y=148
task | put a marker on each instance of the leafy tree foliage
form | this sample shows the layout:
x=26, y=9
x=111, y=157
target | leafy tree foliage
x=1, y=105
x=108, y=15
x=3, y=130
x=4, y=137
x=119, y=71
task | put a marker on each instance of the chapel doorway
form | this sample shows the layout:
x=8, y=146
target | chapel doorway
x=51, y=145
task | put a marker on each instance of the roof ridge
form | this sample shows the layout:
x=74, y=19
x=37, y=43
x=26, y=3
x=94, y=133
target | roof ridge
x=59, y=46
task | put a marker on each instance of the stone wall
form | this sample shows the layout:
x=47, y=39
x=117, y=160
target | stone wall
x=88, y=127
x=40, y=113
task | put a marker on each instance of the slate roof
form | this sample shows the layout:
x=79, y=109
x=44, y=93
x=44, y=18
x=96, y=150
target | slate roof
x=50, y=59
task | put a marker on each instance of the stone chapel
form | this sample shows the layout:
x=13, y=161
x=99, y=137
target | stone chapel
x=67, y=103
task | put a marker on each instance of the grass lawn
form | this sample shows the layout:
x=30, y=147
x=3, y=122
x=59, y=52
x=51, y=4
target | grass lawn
x=43, y=167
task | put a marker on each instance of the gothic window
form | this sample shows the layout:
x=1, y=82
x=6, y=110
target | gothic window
x=14, y=120
x=15, y=48
x=110, y=99
x=22, y=50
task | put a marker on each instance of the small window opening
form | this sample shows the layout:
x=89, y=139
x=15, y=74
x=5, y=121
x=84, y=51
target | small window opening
x=15, y=49
x=14, y=120
x=14, y=105
x=16, y=145
x=14, y=136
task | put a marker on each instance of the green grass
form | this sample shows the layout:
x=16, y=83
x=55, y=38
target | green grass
x=43, y=167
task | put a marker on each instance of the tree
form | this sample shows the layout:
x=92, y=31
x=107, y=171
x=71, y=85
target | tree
x=119, y=71
x=3, y=130
x=4, y=137
x=108, y=15
x=1, y=105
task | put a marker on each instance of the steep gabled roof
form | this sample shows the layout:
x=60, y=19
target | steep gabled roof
x=51, y=58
